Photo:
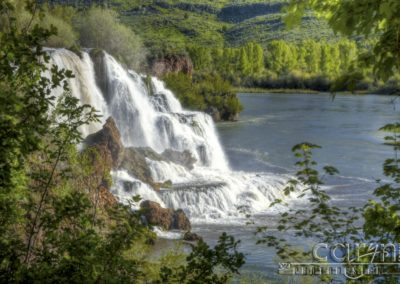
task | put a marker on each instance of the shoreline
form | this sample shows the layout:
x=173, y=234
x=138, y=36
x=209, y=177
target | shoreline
x=300, y=91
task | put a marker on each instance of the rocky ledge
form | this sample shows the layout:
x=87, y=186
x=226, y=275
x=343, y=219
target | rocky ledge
x=107, y=153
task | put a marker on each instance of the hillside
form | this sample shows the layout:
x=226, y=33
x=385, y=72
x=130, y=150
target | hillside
x=215, y=23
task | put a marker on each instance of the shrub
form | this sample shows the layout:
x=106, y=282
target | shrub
x=100, y=28
x=59, y=17
x=65, y=37
x=205, y=91
x=181, y=85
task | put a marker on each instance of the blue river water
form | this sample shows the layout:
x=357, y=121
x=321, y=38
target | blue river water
x=345, y=126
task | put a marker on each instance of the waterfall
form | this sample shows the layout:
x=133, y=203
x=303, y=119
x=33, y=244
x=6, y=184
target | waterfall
x=149, y=115
x=83, y=86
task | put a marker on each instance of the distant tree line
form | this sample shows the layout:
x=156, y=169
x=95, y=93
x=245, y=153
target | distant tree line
x=308, y=64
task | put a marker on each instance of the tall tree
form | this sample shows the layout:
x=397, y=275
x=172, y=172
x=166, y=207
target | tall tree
x=369, y=18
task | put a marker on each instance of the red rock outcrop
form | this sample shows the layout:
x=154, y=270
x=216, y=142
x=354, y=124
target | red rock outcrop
x=165, y=218
x=172, y=64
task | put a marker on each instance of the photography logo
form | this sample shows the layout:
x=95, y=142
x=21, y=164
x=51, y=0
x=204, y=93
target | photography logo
x=350, y=260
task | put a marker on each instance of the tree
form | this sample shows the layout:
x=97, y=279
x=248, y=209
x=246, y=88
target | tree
x=244, y=63
x=52, y=228
x=377, y=19
x=313, y=56
x=380, y=216
x=201, y=57
x=348, y=54
x=280, y=57
x=100, y=28
x=327, y=63
x=203, y=264
x=258, y=58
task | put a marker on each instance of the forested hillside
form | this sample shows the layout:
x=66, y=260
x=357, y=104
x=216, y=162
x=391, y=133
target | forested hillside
x=217, y=23
x=243, y=43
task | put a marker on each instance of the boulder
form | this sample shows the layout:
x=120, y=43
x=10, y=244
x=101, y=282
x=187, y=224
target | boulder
x=156, y=215
x=106, y=152
x=191, y=237
x=108, y=142
x=172, y=64
x=134, y=162
x=180, y=221
x=184, y=158
x=214, y=113
x=231, y=117
x=165, y=218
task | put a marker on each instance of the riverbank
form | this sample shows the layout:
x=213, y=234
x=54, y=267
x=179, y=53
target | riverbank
x=243, y=90
x=277, y=91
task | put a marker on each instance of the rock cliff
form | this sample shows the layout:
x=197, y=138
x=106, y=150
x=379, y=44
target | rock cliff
x=106, y=153
x=172, y=64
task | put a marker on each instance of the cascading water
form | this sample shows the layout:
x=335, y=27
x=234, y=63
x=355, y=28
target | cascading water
x=148, y=115
x=83, y=86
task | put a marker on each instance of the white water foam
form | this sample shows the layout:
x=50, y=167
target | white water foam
x=167, y=234
x=151, y=116
x=83, y=86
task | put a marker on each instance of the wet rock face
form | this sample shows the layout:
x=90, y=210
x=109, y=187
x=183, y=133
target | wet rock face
x=180, y=221
x=100, y=70
x=106, y=153
x=184, y=158
x=107, y=142
x=191, y=237
x=214, y=113
x=165, y=218
x=134, y=162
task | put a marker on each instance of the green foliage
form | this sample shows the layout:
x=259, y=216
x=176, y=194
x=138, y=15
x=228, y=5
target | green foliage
x=206, y=23
x=320, y=220
x=58, y=18
x=245, y=60
x=100, y=28
x=305, y=65
x=311, y=57
x=203, y=264
x=181, y=84
x=25, y=94
x=377, y=19
x=53, y=229
x=380, y=216
x=218, y=93
x=204, y=92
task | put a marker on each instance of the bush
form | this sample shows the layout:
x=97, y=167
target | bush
x=100, y=28
x=205, y=91
x=59, y=17
x=181, y=85
x=65, y=37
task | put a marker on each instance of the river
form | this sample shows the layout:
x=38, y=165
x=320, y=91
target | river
x=345, y=126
